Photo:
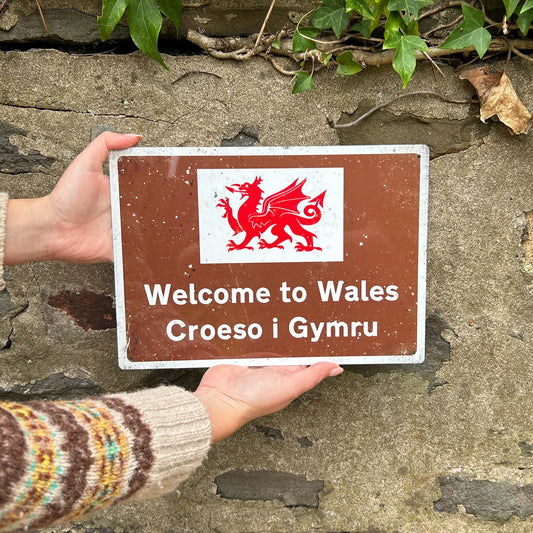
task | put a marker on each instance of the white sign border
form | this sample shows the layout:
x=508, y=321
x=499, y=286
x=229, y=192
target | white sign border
x=421, y=150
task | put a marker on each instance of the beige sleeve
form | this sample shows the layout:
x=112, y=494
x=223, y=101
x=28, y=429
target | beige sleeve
x=3, y=210
x=181, y=435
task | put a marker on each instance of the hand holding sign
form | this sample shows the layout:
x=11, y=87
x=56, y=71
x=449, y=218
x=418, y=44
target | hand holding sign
x=72, y=223
x=235, y=395
x=80, y=204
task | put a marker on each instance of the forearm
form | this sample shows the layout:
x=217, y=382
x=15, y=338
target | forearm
x=27, y=231
x=63, y=459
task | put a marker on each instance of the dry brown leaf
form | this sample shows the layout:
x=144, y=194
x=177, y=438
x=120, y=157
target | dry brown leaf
x=498, y=97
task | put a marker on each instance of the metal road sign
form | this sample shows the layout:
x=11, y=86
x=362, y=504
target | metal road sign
x=264, y=256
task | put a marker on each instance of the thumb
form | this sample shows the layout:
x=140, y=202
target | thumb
x=97, y=151
x=309, y=377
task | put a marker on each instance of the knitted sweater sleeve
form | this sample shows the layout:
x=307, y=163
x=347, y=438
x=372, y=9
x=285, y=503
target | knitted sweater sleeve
x=60, y=460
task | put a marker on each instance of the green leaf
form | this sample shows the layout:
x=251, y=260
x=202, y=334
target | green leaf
x=404, y=62
x=470, y=32
x=392, y=26
x=300, y=43
x=144, y=20
x=276, y=44
x=304, y=82
x=371, y=17
x=172, y=10
x=524, y=20
x=325, y=58
x=527, y=6
x=112, y=11
x=409, y=9
x=331, y=14
x=364, y=28
x=361, y=7
x=510, y=6
x=347, y=65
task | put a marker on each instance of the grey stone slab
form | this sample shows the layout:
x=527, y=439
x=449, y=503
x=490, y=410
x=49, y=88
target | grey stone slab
x=293, y=490
x=486, y=500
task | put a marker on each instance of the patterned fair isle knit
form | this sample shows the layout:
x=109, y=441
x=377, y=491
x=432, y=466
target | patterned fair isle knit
x=60, y=460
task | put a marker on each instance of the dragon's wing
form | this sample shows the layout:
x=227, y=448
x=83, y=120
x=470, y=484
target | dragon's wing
x=281, y=202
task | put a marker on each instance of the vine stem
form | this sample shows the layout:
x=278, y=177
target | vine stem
x=400, y=96
x=239, y=49
x=277, y=66
x=42, y=16
x=261, y=31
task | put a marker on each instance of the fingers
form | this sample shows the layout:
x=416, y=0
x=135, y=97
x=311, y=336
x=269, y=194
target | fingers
x=97, y=152
x=311, y=376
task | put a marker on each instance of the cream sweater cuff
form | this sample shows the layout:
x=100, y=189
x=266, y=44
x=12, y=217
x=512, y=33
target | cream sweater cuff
x=181, y=435
x=3, y=210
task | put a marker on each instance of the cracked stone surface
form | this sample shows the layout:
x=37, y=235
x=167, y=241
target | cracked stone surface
x=381, y=440
x=74, y=23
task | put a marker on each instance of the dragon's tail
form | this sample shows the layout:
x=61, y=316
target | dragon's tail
x=313, y=210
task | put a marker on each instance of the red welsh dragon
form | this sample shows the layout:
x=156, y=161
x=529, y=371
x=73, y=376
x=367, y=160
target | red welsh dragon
x=278, y=212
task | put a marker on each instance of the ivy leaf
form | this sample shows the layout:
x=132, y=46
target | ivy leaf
x=331, y=14
x=172, y=10
x=393, y=24
x=524, y=19
x=364, y=28
x=409, y=9
x=404, y=62
x=325, y=58
x=300, y=43
x=145, y=20
x=112, y=11
x=371, y=16
x=347, y=65
x=276, y=44
x=470, y=32
x=527, y=6
x=510, y=6
x=304, y=82
x=361, y=7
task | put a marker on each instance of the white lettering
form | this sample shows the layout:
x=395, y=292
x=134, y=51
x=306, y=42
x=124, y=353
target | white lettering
x=392, y=293
x=177, y=331
x=329, y=291
x=335, y=291
x=204, y=296
x=376, y=293
x=170, y=332
x=301, y=328
x=316, y=330
x=179, y=296
x=157, y=294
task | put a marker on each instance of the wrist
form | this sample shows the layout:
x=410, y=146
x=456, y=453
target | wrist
x=225, y=414
x=28, y=231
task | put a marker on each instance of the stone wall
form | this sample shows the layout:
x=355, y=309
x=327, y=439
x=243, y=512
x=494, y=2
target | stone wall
x=443, y=446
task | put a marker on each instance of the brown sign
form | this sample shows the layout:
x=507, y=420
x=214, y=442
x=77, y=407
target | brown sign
x=270, y=255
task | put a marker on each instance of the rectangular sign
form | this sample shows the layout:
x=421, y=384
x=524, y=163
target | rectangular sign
x=263, y=256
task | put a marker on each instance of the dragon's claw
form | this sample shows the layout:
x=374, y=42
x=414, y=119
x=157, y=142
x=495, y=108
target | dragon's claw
x=224, y=202
x=264, y=244
x=304, y=248
x=232, y=245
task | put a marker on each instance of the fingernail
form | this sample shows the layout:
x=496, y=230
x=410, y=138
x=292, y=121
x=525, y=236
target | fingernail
x=133, y=135
x=336, y=371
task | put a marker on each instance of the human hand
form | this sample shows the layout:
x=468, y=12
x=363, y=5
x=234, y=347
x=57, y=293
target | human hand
x=72, y=223
x=234, y=395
